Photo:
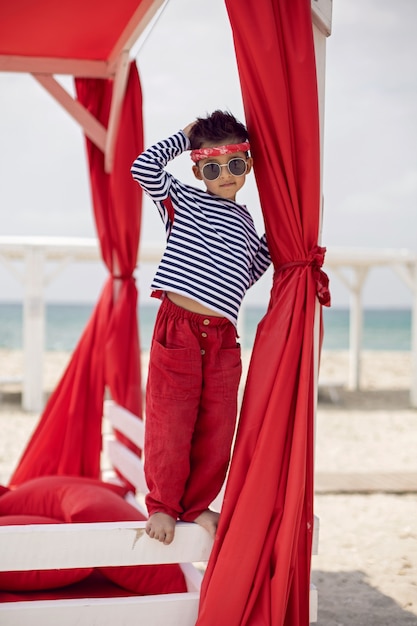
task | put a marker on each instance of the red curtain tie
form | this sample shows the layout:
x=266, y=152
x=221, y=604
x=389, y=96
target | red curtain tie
x=315, y=259
x=123, y=277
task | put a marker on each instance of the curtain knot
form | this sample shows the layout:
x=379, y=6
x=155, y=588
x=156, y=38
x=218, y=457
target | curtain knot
x=315, y=260
x=123, y=277
x=316, y=256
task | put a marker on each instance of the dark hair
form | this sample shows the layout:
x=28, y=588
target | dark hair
x=219, y=127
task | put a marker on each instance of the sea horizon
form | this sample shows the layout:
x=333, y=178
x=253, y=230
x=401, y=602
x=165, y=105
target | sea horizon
x=384, y=328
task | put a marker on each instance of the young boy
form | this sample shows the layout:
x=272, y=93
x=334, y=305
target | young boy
x=213, y=255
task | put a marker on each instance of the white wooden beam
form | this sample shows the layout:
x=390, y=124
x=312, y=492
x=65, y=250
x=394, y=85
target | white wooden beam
x=322, y=15
x=128, y=463
x=119, y=61
x=159, y=610
x=413, y=394
x=125, y=422
x=53, y=546
x=119, y=90
x=135, y=27
x=86, y=68
x=320, y=57
x=407, y=273
x=91, y=126
x=33, y=330
x=356, y=328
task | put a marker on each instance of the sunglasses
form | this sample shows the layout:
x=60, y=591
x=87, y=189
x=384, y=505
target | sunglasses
x=236, y=167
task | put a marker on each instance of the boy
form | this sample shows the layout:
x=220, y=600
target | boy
x=213, y=255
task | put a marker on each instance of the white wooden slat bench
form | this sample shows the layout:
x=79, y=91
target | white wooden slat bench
x=55, y=546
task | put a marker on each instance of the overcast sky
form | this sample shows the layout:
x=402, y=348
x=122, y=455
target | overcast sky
x=187, y=69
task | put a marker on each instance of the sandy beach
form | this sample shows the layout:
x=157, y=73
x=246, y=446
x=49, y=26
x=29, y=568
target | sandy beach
x=366, y=442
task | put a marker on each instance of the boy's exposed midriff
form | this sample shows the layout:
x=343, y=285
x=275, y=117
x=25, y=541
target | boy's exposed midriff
x=191, y=305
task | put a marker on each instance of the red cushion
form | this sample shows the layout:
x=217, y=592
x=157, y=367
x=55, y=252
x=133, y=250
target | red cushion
x=34, y=580
x=99, y=505
x=82, y=500
x=45, y=495
x=147, y=580
x=94, y=586
x=88, y=503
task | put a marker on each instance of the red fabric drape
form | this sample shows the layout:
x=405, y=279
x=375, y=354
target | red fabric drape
x=67, y=439
x=259, y=570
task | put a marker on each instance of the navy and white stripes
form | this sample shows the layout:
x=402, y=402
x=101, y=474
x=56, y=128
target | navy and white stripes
x=213, y=253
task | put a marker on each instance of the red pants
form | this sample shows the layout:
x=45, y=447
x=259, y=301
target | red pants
x=191, y=408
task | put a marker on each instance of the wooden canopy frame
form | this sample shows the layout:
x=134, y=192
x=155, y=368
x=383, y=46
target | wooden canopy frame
x=115, y=66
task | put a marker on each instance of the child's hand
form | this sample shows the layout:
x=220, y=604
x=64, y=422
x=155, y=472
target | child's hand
x=187, y=129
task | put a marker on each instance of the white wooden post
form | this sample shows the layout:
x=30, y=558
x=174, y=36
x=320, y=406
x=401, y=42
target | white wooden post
x=413, y=382
x=33, y=329
x=356, y=328
x=406, y=268
x=322, y=15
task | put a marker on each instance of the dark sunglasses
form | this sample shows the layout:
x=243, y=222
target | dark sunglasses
x=236, y=167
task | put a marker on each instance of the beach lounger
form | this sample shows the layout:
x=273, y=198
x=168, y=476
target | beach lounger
x=107, y=544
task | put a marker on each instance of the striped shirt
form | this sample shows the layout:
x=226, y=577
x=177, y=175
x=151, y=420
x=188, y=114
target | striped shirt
x=213, y=253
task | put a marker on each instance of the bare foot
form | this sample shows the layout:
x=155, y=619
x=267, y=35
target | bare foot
x=209, y=520
x=161, y=527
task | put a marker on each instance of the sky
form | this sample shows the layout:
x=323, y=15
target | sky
x=187, y=68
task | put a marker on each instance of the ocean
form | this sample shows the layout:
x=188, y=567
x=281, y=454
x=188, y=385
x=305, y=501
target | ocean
x=384, y=329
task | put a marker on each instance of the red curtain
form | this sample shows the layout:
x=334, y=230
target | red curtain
x=67, y=439
x=259, y=569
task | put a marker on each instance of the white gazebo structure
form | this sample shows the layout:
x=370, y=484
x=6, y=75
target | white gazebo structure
x=27, y=259
x=352, y=266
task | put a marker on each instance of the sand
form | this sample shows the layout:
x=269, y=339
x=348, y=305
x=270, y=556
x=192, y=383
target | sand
x=366, y=568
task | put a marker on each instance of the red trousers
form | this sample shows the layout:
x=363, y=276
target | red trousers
x=191, y=407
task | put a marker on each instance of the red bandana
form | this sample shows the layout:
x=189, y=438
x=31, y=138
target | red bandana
x=204, y=153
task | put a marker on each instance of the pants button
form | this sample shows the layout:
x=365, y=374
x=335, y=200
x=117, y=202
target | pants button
x=204, y=334
x=206, y=322
x=203, y=352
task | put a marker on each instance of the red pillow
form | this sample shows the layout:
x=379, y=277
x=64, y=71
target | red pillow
x=34, y=580
x=44, y=495
x=84, y=500
x=88, y=503
x=100, y=505
x=147, y=580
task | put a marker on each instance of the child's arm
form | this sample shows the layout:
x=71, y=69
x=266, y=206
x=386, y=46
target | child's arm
x=148, y=169
x=261, y=261
x=188, y=128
